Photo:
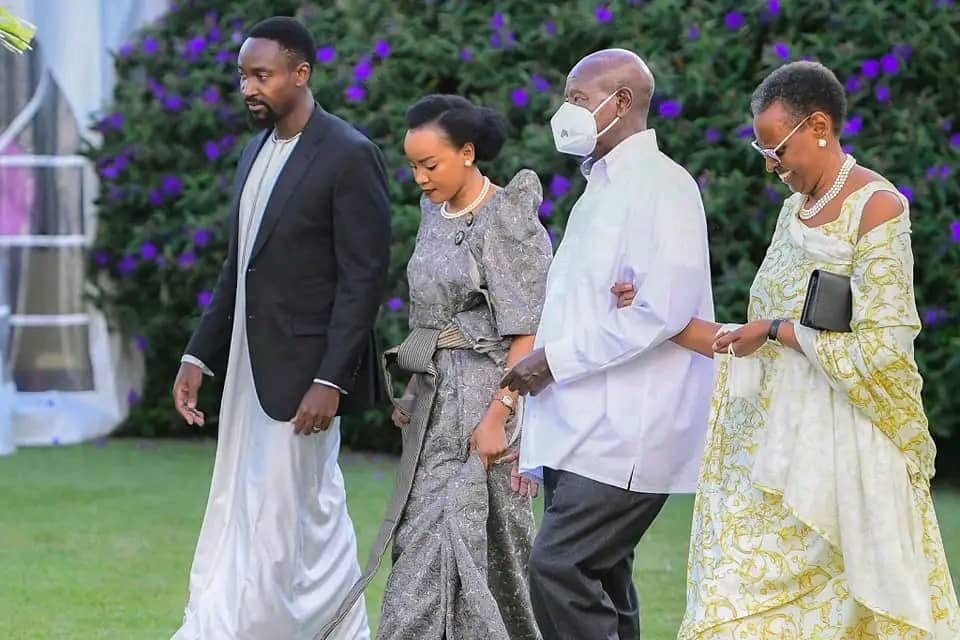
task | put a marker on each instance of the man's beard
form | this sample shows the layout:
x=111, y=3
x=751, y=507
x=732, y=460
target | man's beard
x=265, y=119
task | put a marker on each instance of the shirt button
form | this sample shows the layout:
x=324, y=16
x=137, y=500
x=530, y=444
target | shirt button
x=250, y=317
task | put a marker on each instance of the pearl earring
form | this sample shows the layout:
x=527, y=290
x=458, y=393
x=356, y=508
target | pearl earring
x=821, y=143
x=468, y=163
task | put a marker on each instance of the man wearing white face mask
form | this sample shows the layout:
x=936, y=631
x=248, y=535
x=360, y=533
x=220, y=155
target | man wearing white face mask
x=618, y=411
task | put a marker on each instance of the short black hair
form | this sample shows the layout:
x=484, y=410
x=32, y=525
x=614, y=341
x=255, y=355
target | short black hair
x=291, y=35
x=462, y=122
x=802, y=88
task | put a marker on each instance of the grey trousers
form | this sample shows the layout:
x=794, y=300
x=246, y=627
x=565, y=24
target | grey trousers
x=581, y=565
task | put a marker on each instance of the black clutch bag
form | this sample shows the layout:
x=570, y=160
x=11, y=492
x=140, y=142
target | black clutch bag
x=829, y=303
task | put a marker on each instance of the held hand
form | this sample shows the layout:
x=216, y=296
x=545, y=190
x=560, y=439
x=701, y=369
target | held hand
x=489, y=440
x=317, y=409
x=400, y=418
x=185, y=389
x=520, y=484
x=403, y=410
x=625, y=293
x=745, y=341
x=530, y=376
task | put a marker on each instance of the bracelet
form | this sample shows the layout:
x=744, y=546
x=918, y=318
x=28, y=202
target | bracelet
x=774, y=331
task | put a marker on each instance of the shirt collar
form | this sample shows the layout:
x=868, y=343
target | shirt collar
x=617, y=159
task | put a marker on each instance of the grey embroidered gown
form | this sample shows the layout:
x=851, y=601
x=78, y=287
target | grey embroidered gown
x=461, y=545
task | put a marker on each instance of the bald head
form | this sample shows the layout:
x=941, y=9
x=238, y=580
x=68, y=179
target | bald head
x=609, y=70
x=615, y=86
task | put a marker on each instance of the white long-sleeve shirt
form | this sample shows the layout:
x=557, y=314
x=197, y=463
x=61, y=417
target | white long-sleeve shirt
x=629, y=408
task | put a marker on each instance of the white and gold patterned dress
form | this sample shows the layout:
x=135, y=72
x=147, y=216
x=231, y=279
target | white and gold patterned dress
x=813, y=518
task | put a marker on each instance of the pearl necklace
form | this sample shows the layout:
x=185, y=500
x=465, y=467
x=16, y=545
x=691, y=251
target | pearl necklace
x=845, y=168
x=452, y=215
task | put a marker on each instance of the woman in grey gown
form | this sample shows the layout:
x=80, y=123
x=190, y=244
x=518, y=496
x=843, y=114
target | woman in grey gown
x=461, y=521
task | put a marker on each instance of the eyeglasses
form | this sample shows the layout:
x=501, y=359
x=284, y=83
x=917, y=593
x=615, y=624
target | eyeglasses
x=772, y=154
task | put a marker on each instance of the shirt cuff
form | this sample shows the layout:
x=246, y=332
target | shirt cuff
x=562, y=360
x=327, y=383
x=189, y=359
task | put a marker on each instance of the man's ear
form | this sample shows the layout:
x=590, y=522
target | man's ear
x=303, y=74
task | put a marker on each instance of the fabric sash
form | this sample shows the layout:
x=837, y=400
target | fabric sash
x=414, y=355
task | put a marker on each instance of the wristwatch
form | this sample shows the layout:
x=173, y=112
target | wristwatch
x=774, y=330
x=507, y=401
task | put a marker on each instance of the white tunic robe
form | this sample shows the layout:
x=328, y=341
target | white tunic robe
x=277, y=549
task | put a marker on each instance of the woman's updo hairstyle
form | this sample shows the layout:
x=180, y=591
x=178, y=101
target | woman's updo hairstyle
x=462, y=122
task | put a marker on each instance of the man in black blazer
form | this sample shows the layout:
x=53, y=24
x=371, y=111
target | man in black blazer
x=315, y=276
x=306, y=268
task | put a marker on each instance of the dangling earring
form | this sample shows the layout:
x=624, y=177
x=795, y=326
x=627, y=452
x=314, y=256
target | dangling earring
x=821, y=143
x=468, y=163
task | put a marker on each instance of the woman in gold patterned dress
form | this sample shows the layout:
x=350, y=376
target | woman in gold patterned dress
x=813, y=518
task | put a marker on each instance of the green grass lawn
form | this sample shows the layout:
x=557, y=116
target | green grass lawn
x=96, y=541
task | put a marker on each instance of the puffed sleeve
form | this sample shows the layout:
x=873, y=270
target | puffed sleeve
x=516, y=255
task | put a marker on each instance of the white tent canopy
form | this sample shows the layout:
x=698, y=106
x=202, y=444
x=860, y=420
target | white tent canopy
x=75, y=39
x=63, y=377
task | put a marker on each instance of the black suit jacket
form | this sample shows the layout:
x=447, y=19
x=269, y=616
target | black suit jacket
x=316, y=275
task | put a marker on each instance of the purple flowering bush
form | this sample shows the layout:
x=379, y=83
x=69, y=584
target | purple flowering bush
x=176, y=126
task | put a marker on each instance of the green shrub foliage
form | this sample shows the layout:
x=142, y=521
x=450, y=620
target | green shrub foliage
x=176, y=126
